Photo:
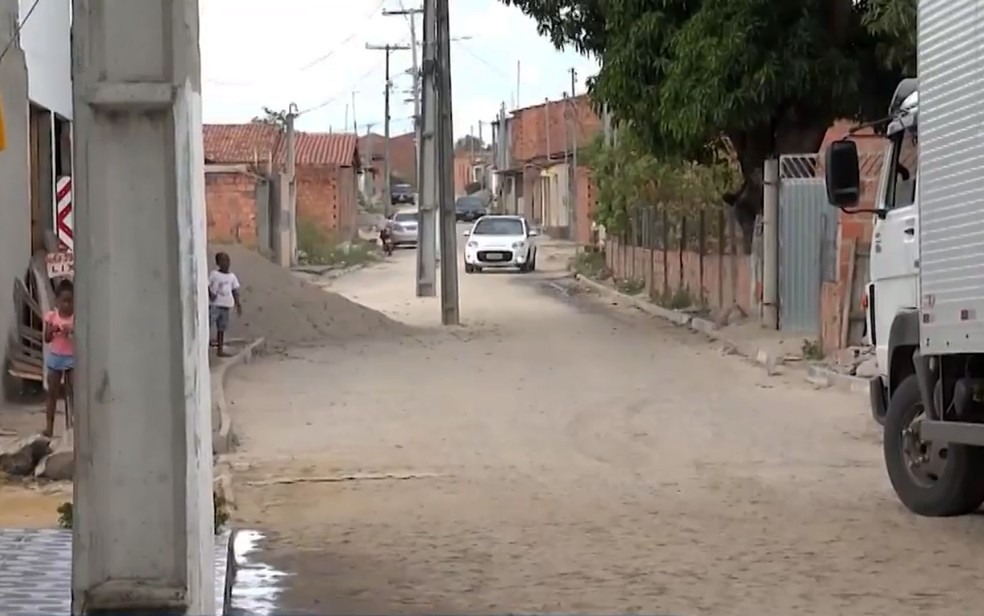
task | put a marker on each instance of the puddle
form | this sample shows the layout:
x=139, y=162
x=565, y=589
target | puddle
x=257, y=585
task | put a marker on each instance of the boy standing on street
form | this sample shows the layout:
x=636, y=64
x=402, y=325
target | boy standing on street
x=223, y=295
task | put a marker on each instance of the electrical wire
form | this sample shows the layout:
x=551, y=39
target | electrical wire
x=346, y=92
x=311, y=64
x=481, y=59
x=17, y=30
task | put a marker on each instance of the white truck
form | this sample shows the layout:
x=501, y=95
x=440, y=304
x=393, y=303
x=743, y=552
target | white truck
x=925, y=299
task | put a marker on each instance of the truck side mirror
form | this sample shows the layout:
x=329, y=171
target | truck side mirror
x=842, y=174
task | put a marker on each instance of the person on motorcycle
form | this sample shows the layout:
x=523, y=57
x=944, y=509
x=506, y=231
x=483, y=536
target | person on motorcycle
x=386, y=238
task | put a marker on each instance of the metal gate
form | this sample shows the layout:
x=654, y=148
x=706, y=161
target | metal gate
x=807, y=242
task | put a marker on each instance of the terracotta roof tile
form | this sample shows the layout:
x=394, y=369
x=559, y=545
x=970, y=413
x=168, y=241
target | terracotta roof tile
x=337, y=149
x=239, y=143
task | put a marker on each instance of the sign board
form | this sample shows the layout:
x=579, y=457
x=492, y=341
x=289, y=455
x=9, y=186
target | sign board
x=60, y=264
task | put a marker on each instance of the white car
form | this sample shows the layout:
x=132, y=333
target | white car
x=500, y=241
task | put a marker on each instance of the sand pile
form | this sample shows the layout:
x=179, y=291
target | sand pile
x=287, y=311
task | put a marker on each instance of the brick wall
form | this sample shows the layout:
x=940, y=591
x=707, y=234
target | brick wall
x=708, y=278
x=326, y=197
x=230, y=201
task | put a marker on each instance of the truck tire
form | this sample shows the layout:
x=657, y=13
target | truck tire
x=958, y=487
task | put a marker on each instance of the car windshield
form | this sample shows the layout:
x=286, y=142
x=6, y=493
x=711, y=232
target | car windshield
x=469, y=203
x=405, y=217
x=499, y=226
x=402, y=188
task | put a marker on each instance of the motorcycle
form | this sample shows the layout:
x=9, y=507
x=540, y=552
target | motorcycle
x=387, y=241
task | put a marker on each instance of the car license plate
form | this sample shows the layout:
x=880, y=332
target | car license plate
x=493, y=256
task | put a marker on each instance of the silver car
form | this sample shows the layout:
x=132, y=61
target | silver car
x=403, y=228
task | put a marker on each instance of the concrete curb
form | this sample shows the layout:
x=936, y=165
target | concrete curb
x=223, y=437
x=816, y=374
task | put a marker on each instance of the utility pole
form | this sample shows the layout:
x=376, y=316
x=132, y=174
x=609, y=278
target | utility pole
x=573, y=188
x=426, y=283
x=143, y=537
x=450, y=306
x=387, y=189
x=292, y=182
x=437, y=189
x=411, y=15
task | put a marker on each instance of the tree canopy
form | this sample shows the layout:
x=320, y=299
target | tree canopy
x=764, y=76
x=469, y=142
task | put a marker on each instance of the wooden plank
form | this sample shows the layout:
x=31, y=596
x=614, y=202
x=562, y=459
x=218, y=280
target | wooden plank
x=848, y=295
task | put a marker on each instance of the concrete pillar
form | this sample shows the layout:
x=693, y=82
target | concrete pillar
x=143, y=533
x=15, y=179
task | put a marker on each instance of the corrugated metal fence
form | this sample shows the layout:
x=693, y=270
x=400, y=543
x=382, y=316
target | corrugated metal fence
x=807, y=242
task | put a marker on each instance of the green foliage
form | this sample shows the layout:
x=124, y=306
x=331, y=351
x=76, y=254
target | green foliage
x=812, y=350
x=320, y=248
x=65, y=515
x=767, y=76
x=219, y=505
x=680, y=299
x=591, y=264
x=628, y=176
x=630, y=286
x=273, y=117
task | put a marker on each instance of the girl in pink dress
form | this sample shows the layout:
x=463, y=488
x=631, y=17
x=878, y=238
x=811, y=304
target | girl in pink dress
x=59, y=333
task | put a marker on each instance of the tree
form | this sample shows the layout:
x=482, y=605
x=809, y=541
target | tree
x=761, y=76
x=272, y=117
x=468, y=143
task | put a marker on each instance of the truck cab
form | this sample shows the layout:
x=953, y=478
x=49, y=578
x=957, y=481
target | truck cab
x=891, y=297
x=925, y=299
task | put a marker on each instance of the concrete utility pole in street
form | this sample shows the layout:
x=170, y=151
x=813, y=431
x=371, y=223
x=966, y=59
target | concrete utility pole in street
x=143, y=519
x=572, y=196
x=426, y=284
x=437, y=189
x=292, y=183
x=387, y=188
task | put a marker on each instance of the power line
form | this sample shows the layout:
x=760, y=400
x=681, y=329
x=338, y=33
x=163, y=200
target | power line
x=346, y=92
x=307, y=66
x=17, y=30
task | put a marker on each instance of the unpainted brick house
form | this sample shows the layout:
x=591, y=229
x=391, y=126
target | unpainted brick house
x=242, y=161
x=541, y=142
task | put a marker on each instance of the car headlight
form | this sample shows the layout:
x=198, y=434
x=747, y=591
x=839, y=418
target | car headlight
x=517, y=245
x=473, y=244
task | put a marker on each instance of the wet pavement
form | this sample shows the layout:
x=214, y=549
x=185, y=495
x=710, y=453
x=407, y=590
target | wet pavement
x=36, y=574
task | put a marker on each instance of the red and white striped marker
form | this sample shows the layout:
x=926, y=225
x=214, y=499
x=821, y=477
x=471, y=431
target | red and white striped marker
x=63, y=212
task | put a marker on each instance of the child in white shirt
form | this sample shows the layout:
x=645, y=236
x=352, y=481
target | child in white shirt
x=223, y=296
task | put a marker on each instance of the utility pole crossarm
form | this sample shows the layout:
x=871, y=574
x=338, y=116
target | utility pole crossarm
x=388, y=12
x=388, y=47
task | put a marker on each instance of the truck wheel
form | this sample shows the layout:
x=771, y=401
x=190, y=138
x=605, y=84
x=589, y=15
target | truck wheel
x=931, y=479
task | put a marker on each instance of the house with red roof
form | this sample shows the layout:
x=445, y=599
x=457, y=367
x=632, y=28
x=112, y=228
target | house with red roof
x=242, y=162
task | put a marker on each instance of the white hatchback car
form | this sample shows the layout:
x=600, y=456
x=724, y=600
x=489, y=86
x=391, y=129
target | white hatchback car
x=500, y=241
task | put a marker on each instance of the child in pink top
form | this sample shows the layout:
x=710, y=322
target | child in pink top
x=59, y=333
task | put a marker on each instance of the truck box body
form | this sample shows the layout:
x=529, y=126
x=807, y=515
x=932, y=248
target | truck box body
x=951, y=176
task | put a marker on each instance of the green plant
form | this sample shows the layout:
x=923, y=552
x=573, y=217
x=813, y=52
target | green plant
x=812, y=350
x=679, y=299
x=219, y=504
x=631, y=286
x=320, y=248
x=65, y=515
x=590, y=263
x=768, y=77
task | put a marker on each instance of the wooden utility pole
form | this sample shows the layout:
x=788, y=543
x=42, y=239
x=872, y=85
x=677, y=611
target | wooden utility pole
x=387, y=188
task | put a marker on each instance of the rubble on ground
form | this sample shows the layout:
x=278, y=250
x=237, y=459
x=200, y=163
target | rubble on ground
x=287, y=311
x=20, y=458
x=856, y=361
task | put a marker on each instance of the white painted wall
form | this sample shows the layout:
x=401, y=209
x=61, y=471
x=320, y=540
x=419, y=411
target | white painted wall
x=47, y=42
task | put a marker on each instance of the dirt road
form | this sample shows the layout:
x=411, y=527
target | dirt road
x=561, y=455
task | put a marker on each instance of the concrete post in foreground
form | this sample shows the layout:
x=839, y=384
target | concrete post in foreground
x=770, y=244
x=143, y=532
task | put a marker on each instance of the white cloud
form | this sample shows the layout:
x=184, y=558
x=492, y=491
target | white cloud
x=257, y=54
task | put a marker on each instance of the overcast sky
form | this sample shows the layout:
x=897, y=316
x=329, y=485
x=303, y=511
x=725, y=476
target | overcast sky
x=259, y=53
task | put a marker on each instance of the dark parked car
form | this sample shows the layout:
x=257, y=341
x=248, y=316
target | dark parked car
x=402, y=194
x=470, y=208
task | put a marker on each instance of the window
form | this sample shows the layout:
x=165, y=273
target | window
x=902, y=190
x=499, y=226
x=405, y=217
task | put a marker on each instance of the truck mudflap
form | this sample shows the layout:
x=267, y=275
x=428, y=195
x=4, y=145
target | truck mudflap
x=878, y=398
